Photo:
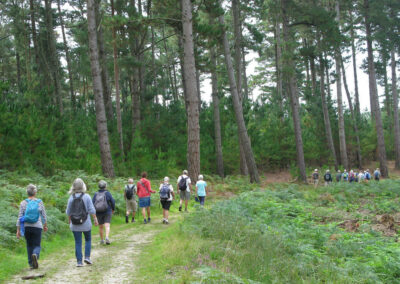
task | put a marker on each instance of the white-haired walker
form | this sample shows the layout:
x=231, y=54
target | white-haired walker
x=166, y=196
x=201, y=187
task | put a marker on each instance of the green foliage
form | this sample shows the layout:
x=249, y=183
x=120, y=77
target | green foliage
x=291, y=234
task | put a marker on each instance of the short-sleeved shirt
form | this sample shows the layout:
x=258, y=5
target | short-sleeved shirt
x=171, y=189
x=87, y=225
x=201, y=188
x=315, y=175
x=188, y=181
x=110, y=202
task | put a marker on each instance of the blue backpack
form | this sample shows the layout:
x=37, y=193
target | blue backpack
x=164, y=192
x=32, y=211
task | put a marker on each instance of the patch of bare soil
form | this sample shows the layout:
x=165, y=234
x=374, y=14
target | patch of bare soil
x=350, y=225
x=386, y=224
x=277, y=177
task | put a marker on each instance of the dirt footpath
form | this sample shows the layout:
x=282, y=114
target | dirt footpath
x=115, y=263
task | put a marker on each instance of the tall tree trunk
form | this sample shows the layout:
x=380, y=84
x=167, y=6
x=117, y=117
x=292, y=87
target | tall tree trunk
x=34, y=36
x=245, y=84
x=313, y=76
x=289, y=75
x=54, y=63
x=67, y=57
x=395, y=109
x=327, y=121
x=237, y=105
x=353, y=115
x=238, y=69
x=353, y=53
x=198, y=87
x=105, y=78
x=342, y=134
x=135, y=95
x=116, y=82
x=192, y=100
x=278, y=69
x=101, y=120
x=328, y=80
x=387, y=92
x=373, y=93
x=217, y=120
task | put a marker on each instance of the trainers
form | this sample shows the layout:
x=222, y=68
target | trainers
x=166, y=222
x=35, y=263
x=108, y=242
x=148, y=220
x=133, y=220
x=88, y=261
x=79, y=264
x=144, y=221
x=126, y=219
x=180, y=208
x=102, y=242
x=163, y=221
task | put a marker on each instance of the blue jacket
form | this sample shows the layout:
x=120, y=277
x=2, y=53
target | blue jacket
x=110, y=201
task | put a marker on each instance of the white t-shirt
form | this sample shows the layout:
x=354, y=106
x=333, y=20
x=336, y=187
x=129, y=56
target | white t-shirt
x=171, y=189
x=188, y=181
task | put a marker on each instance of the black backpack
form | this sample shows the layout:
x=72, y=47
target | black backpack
x=78, y=211
x=129, y=191
x=182, y=183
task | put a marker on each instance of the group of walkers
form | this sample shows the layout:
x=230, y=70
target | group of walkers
x=32, y=218
x=352, y=176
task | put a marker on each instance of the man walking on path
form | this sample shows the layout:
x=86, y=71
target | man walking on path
x=184, y=185
x=104, y=204
x=367, y=175
x=166, y=196
x=327, y=178
x=338, y=176
x=315, y=177
x=377, y=174
x=144, y=192
x=130, y=200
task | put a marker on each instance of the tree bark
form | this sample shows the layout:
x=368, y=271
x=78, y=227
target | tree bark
x=289, y=75
x=353, y=115
x=245, y=84
x=238, y=69
x=217, y=120
x=54, y=63
x=101, y=120
x=116, y=82
x=67, y=57
x=325, y=111
x=34, y=35
x=342, y=134
x=105, y=78
x=395, y=109
x=373, y=93
x=135, y=96
x=353, y=53
x=237, y=105
x=192, y=100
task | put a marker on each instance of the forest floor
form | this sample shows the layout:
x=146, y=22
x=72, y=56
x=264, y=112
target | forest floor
x=115, y=263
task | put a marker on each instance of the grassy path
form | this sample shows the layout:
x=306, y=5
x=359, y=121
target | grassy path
x=115, y=263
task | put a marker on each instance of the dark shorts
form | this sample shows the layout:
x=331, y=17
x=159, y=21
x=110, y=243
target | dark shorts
x=166, y=204
x=144, y=202
x=103, y=218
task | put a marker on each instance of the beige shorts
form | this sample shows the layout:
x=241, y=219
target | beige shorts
x=131, y=205
x=184, y=195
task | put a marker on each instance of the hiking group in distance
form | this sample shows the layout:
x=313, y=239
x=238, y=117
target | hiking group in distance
x=352, y=176
x=32, y=217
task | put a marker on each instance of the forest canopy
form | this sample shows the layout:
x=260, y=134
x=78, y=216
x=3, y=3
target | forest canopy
x=122, y=86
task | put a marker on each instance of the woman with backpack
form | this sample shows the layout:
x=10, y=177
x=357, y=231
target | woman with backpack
x=79, y=208
x=104, y=204
x=31, y=221
x=166, y=196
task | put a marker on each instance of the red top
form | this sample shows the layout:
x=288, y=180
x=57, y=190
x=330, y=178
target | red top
x=144, y=191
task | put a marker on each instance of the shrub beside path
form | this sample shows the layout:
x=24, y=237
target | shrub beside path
x=116, y=263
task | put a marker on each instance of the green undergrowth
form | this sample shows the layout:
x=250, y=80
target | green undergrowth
x=344, y=233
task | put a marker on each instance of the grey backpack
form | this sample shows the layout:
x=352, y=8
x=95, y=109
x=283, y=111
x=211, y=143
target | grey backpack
x=100, y=202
